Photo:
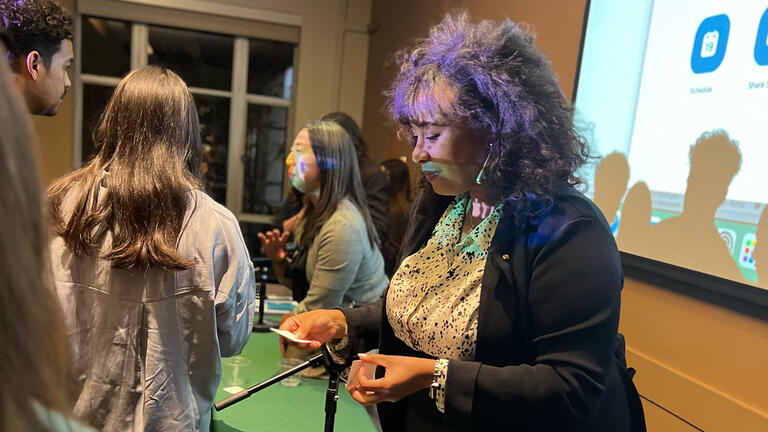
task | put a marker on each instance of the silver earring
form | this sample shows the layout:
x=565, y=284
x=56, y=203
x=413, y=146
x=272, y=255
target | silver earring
x=478, y=179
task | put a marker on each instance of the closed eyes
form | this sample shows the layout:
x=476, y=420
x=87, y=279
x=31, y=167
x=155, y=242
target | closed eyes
x=429, y=138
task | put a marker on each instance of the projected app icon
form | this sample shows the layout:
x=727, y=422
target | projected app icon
x=729, y=237
x=761, y=44
x=745, y=254
x=710, y=43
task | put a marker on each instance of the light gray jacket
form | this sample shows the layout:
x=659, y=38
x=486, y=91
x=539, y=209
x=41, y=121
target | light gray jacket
x=342, y=267
x=146, y=346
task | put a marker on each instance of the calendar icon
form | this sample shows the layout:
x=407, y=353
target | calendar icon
x=710, y=43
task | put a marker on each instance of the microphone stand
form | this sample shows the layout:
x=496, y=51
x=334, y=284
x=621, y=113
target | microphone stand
x=331, y=395
x=262, y=265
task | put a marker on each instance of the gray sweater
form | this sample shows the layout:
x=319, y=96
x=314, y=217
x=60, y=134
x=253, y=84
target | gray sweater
x=342, y=267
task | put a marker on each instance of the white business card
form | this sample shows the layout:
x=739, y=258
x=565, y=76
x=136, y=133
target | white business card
x=288, y=335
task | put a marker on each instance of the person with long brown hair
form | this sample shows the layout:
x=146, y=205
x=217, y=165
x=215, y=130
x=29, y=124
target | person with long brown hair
x=344, y=265
x=33, y=358
x=153, y=275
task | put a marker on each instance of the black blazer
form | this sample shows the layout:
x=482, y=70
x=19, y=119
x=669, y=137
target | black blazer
x=547, y=327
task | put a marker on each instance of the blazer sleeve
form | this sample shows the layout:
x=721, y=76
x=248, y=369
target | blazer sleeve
x=574, y=299
x=363, y=324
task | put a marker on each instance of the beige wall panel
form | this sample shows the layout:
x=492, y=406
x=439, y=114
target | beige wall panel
x=358, y=12
x=658, y=420
x=352, y=84
x=696, y=359
x=54, y=141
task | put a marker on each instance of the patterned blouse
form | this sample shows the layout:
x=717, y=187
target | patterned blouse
x=433, y=298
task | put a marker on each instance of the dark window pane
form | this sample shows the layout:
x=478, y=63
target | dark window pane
x=95, y=99
x=264, y=159
x=270, y=68
x=201, y=59
x=106, y=47
x=214, y=128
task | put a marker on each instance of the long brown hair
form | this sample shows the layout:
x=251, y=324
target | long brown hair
x=148, y=158
x=33, y=359
x=339, y=179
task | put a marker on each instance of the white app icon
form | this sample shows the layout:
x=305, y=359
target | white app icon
x=729, y=237
x=709, y=43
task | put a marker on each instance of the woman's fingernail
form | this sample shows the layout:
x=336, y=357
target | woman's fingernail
x=362, y=355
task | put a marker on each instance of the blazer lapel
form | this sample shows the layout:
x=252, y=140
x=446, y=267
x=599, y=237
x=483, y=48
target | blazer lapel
x=497, y=342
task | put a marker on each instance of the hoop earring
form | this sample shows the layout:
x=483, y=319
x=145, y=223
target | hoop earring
x=478, y=179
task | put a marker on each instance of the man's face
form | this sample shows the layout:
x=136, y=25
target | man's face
x=48, y=85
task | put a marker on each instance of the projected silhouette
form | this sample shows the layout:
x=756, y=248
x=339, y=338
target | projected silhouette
x=611, y=178
x=634, y=235
x=761, y=255
x=691, y=239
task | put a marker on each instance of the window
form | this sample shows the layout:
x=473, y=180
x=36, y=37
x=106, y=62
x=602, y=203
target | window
x=243, y=90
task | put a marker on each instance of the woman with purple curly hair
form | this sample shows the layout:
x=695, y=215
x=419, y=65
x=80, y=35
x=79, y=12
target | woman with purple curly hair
x=504, y=311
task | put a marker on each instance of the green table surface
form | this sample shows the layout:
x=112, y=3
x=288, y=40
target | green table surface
x=278, y=408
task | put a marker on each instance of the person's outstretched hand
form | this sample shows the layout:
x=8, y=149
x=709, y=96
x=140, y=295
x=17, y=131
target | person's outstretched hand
x=403, y=376
x=319, y=326
x=273, y=244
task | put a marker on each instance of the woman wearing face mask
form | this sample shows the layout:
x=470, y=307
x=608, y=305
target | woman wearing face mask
x=504, y=311
x=344, y=266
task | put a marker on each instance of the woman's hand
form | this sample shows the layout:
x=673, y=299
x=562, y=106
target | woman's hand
x=319, y=326
x=403, y=376
x=273, y=243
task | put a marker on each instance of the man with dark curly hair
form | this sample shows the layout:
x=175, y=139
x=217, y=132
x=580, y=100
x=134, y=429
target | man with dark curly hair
x=38, y=37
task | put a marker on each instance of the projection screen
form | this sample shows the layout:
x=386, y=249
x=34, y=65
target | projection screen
x=672, y=96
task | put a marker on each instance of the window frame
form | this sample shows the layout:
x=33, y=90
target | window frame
x=238, y=97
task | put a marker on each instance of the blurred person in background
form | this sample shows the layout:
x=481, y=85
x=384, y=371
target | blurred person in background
x=374, y=182
x=399, y=206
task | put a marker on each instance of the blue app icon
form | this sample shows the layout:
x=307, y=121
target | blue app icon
x=761, y=44
x=709, y=45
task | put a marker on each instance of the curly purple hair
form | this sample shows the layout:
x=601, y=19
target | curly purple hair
x=33, y=25
x=506, y=90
